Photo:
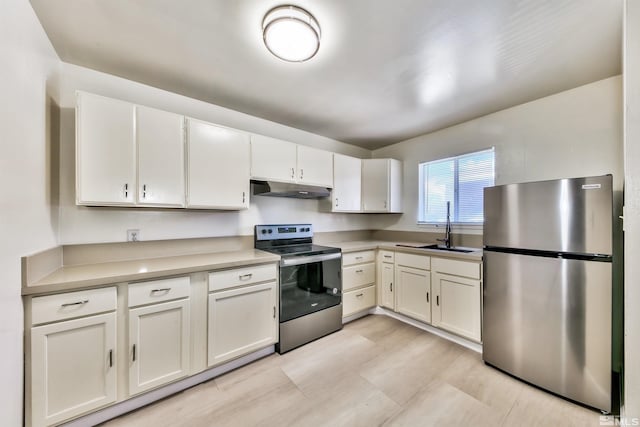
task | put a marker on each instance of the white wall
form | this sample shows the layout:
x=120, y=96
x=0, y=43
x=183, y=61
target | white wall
x=92, y=225
x=573, y=133
x=631, y=73
x=27, y=201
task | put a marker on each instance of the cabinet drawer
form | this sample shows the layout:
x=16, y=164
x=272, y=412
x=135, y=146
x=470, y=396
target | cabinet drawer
x=457, y=268
x=358, y=257
x=158, y=290
x=387, y=256
x=358, y=275
x=358, y=300
x=53, y=308
x=241, y=276
x=412, y=260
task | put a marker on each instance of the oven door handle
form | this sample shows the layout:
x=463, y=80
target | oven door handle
x=286, y=262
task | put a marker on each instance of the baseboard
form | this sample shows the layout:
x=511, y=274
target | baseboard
x=436, y=331
x=145, y=399
x=356, y=316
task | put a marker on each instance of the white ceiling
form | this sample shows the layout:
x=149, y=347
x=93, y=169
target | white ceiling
x=386, y=70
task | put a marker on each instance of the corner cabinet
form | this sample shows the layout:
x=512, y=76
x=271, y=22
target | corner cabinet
x=218, y=167
x=386, y=277
x=73, y=358
x=347, y=184
x=105, y=151
x=382, y=185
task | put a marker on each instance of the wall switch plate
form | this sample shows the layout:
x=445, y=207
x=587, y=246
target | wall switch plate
x=133, y=235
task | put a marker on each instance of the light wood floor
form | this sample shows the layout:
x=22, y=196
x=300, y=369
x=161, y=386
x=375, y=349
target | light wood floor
x=376, y=371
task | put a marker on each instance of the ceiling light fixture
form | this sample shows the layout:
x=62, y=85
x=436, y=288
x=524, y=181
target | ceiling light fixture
x=291, y=33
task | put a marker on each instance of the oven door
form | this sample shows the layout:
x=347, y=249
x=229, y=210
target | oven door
x=309, y=284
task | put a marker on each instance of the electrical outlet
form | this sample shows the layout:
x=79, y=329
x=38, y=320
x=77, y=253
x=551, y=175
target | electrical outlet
x=133, y=235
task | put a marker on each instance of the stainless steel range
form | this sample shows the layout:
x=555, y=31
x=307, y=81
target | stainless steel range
x=310, y=283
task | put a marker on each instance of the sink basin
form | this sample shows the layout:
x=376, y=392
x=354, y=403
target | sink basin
x=442, y=248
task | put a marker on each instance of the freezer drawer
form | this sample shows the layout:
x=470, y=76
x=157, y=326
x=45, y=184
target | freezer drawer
x=548, y=321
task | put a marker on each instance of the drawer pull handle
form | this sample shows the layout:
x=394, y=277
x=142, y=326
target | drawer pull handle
x=427, y=296
x=387, y=256
x=359, y=271
x=437, y=300
x=274, y=311
x=69, y=304
x=390, y=287
x=134, y=352
x=156, y=291
x=111, y=358
x=359, y=295
x=358, y=257
x=245, y=276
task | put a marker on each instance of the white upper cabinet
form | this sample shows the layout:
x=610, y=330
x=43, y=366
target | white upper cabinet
x=160, y=138
x=273, y=159
x=347, y=184
x=281, y=161
x=315, y=167
x=105, y=151
x=218, y=167
x=382, y=185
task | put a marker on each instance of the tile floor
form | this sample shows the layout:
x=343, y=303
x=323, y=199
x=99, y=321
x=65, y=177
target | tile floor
x=376, y=371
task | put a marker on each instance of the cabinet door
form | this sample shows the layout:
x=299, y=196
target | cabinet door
x=315, y=167
x=105, y=151
x=375, y=185
x=160, y=140
x=413, y=293
x=241, y=320
x=457, y=305
x=73, y=368
x=386, y=286
x=219, y=166
x=272, y=159
x=158, y=344
x=347, y=184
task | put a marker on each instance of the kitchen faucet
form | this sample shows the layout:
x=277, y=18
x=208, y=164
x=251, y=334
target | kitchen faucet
x=447, y=232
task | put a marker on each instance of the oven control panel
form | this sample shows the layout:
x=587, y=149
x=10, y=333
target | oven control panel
x=283, y=231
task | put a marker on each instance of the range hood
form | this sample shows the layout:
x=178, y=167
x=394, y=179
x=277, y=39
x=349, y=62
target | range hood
x=291, y=190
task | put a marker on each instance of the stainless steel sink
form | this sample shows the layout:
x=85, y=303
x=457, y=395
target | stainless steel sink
x=442, y=248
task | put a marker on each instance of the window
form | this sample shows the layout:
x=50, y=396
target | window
x=459, y=180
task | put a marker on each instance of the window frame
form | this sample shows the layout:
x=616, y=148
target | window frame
x=470, y=226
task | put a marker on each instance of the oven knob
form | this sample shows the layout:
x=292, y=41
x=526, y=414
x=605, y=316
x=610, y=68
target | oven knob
x=264, y=231
x=270, y=231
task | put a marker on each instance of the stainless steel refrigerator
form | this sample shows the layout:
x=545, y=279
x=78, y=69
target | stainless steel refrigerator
x=547, y=313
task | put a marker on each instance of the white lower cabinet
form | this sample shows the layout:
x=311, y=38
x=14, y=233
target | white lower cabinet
x=457, y=296
x=158, y=344
x=241, y=320
x=73, y=362
x=387, y=297
x=413, y=293
x=358, y=282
